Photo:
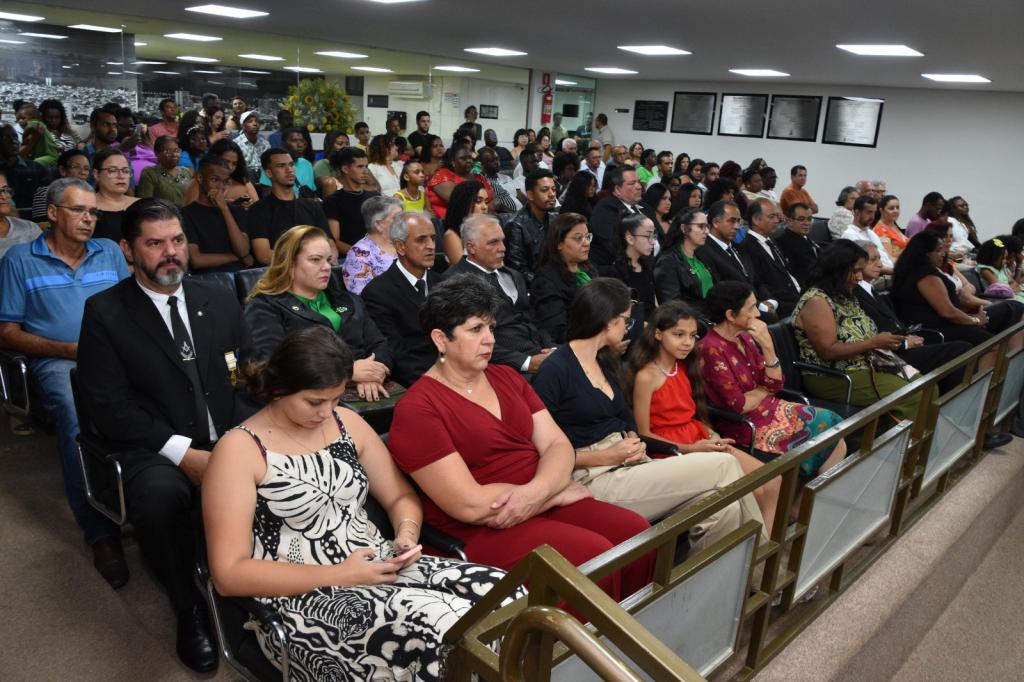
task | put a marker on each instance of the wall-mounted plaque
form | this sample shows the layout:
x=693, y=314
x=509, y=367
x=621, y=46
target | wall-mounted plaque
x=852, y=121
x=377, y=101
x=650, y=115
x=693, y=112
x=488, y=111
x=794, y=118
x=743, y=115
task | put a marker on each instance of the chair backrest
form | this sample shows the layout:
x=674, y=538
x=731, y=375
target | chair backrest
x=784, y=338
x=974, y=279
x=245, y=281
x=819, y=231
x=221, y=279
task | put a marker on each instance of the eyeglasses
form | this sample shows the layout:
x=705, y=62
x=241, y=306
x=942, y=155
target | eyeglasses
x=79, y=167
x=582, y=238
x=628, y=319
x=80, y=211
x=116, y=171
x=171, y=152
x=9, y=191
x=803, y=219
x=648, y=236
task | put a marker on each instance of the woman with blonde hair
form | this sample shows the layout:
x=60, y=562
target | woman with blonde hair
x=298, y=291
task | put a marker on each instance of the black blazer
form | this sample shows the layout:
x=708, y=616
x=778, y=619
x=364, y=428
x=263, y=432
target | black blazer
x=271, y=318
x=604, y=221
x=724, y=268
x=516, y=334
x=674, y=280
x=878, y=309
x=394, y=306
x=550, y=295
x=771, y=274
x=801, y=253
x=131, y=376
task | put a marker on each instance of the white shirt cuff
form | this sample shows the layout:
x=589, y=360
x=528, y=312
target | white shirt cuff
x=175, y=448
x=764, y=308
x=526, y=365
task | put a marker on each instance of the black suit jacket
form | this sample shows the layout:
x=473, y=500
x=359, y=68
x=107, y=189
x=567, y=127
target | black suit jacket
x=724, y=268
x=878, y=309
x=674, y=280
x=604, y=222
x=550, y=295
x=394, y=305
x=516, y=334
x=801, y=253
x=771, y=274
x=131, y=376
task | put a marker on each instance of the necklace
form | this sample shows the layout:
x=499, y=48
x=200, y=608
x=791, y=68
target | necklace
x=289, y=436
x=468, y=389
x=669, y=373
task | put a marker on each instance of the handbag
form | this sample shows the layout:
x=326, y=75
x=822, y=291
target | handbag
x=882, y=360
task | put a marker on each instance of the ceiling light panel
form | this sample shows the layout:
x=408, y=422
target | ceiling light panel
x=559, y=81
x=342, y=55
x=138, y=44
x=259, y=73
x=12, y=42
x=610, y=70
x=302, y=69
x=11, y=16
x=201, y=60
x=495, y=51
x=881, y=50
x=169, y=73
x=143, y=62
x=98, y=29
x=956, y=77
x=654, y=50
x=51, y=36
x=262, y=57
x=372, y=69
x=455, y=69
x=216, y=73
x=759, y=73
x=229, y=12
x=199, y=38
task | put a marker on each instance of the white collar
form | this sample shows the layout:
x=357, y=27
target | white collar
x=408, y=275
x=725, y=247
x=759, y=237
x=866, y=286
x=160, y=300
x=478, y=266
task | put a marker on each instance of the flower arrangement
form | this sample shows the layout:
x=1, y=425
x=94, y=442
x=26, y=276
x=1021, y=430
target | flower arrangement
x=320, y=106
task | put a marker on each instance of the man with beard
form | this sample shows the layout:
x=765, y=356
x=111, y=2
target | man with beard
x=103, y=126
x=157, y=355
x=525, y=232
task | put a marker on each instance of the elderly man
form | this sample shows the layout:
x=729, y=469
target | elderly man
x=768, y=264
x=569, y=145
x=45, y=284
x=801, y=253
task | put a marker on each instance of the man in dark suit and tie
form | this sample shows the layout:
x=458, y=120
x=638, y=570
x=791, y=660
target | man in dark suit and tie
x=768, y=264
x=518, y=341
x=393, y=299
x=604, y=219
x=725, y=262
x=155, y=362
x=796, y=245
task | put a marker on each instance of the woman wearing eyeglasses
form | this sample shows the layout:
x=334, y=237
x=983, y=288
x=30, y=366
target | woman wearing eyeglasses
x=113, y=174
x=581, y=386
x=166, y=180
x=678, y=273
x=563, y=267
x=634, y=264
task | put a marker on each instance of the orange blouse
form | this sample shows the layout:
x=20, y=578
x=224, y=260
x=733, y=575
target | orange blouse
x=893, y=234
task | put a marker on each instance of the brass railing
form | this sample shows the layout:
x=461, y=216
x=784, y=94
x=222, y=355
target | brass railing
x=555, y=582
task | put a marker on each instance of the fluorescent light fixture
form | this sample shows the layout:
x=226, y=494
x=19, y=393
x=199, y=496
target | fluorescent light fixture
x=611, y=70
x=115, y=63
x=881, y=50
x=216, y=73
x=145, y=63
x=559, y=81
x=52, y=36
x=873, y=100
x=259, y=73
x=199, y=38
x=456, y=69
x=12, y=42
x=138, y=44
x=262, y=57
x=759, y=73
x=229, y=12
x=65, y=66
x=113, y=73
x=654, y=50
x=495, y=51
x=134, y=73
x=372, y=69
x=169, y=73
x=302, y=69
x=391, y=2
x=100, y=29
x=20, y=17
x=956, y=77
x=342, y=55
x=201, y=60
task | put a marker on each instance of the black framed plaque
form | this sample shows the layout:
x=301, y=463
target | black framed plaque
x=488, y=111
x=742, y=115
x=794, y=117
x=650, y=115
x=852, y=121
x=377, y=101
x=694, y=112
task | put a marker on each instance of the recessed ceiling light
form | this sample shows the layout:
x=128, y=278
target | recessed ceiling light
x=134, y=73
x=881, y=50
x=495, y=51
x=65, y=66
x=203, y=71
x=759, y=73
x=13, y=42
x=113, y=73
x=391, y=2
x=101, y=29
x=52, y=36
x=456, y=69
x=20, y=17
x=260, y=73
x=144, y=63
x=653, y=50
x=612, y=70
x=559, y=81
x=138, y=44
x=169, y=73
x=302, y=69
x=262, y=57
x=229, y=12
x=201, y=60
x=873, y=100
x=956, y=77
x=342, y=55
x=193, y=36
x=372, y=69
x=115, y=63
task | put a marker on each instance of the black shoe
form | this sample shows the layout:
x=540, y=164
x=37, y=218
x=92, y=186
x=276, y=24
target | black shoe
x=108, y=558
x=195, y=642
x=995, y=440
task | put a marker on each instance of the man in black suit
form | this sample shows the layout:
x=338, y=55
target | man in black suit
x=393, y=299
x=518, y=342
x=922, y=357
x=725, y=262
x=155, y=360
x=768, y=264
x=604, y=220
x=796, y=245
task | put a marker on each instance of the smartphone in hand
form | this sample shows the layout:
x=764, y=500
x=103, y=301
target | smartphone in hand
x=408, y=554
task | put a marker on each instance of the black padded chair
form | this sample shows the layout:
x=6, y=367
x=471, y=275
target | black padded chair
x=974, y=279
x=784, y=338
x=819, y=231
x=14, y=383
x=225, y=280
x=245, y=281
x=100, y=463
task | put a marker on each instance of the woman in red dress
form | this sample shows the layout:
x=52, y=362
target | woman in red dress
x=493, y=467
x=443, y=181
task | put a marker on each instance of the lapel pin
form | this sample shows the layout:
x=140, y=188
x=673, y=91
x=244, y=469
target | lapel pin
x=199, y=313
x=295, y=308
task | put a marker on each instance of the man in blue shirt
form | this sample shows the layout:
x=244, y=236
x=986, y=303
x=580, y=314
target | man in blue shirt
x=45, y=284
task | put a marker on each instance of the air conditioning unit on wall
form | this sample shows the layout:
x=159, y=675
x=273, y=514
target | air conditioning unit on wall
x=409, y=89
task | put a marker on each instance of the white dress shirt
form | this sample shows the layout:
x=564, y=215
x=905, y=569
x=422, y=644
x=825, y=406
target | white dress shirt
x=177, y=445
x=508, y=285
x=762, y=306
x=763, y=241
x=856, y=233
x=411, y=278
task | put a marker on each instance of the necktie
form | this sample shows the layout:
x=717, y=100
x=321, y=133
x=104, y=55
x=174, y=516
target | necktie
x=736, y=258
x=776, y=254
x=421, y=288
x=183, y=342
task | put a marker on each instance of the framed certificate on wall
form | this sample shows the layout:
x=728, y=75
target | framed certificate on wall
x=742, y=115
x=853, y=121
x=650, y=115
x=693, y=112
x=794, y=117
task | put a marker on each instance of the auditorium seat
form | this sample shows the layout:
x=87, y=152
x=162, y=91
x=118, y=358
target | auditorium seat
x=792, y=368
x=221, y=279
x=819, y=231
x=245, y=281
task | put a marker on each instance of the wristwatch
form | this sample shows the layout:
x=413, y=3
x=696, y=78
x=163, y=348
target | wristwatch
x=778, y=361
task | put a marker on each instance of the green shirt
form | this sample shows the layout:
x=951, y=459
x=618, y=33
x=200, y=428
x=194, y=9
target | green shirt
x=703, y=274
x=321, y=305
x=644, y=175
x=582, y=277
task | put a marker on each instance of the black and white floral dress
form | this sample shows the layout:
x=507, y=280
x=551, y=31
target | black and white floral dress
x=309, y=510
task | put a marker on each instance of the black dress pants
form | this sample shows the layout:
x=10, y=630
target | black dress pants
x=933, y=355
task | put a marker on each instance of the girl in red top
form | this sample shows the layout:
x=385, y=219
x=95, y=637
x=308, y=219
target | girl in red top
x=444, y=180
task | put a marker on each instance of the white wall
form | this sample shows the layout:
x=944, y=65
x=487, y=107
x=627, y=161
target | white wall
x=450, y=97
x=954, y=142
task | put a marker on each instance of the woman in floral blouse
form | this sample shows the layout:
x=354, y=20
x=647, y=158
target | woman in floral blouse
x=374, y=253
x=741, y=377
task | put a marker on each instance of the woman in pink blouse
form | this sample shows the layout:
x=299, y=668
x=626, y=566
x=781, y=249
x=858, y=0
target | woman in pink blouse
x=741, y=377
